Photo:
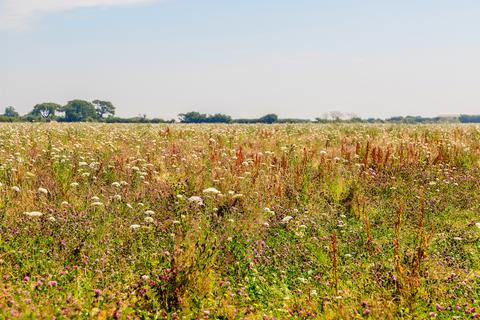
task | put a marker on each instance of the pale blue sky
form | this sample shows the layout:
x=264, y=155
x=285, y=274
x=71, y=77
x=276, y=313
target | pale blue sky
x=297, y=58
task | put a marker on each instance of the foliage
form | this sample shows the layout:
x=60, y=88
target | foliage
x=10, y=112
x=45, y=110
x=469, y=118
x=269, y=118
x=104, y=111
x=196, y=117
x=79, y=110
x=103, y=108
x=136, y=120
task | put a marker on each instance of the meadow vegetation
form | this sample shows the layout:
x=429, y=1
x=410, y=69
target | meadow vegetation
x=304, y=221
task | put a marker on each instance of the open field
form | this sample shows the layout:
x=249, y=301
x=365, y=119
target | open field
x=239, y=221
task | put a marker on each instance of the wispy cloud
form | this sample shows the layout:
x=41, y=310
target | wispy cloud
x=19, y=14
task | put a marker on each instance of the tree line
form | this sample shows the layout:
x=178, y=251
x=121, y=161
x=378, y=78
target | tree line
x=74, y=111
x=331, y=117
x=104, y=111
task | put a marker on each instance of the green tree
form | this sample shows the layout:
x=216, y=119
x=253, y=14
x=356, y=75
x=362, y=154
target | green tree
x=46, y=110
x=192, y=117
x=219, y=118
x=11, y=112
x=269, y=118
x=103, y=108
x=196, y=117
x=79, y=110
x=464, y=118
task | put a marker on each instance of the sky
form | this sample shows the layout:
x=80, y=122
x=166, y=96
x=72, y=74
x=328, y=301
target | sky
x=245, y=58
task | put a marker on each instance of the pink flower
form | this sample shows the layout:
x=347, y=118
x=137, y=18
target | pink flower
x=26, y=279
x=52, y=283
x=98, y=292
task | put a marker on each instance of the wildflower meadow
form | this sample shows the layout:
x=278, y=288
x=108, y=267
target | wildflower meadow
x=211, y=221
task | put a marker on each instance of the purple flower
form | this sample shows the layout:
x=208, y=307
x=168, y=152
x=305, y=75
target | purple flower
x=52, y=283
x=366, y=312
x=26, y=279
x=98, y=292
x=143, y=291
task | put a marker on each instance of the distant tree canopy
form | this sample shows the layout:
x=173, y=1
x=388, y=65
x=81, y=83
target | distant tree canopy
x=10, y=112
x=196, y=117
x=45, y=110
x=76, y=111
x=104, y=111
x=79, y=110
x=103, y=108
x=269, y=118
x=192, y=117
x=469, y=118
